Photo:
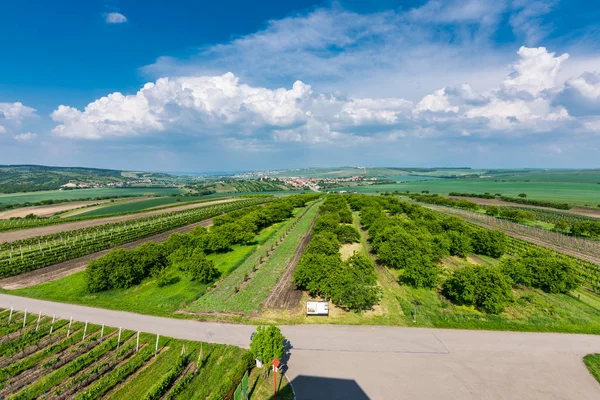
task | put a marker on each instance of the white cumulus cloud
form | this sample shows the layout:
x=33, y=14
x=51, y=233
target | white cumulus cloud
x=16, y=111
x=526, y=101
x=26, y=137
x=115, y=18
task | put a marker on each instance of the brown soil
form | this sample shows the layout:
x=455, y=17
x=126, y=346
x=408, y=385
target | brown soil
x=493, y=202
x=47, y=230
x=49, y=210
x=70, y=267
x=285, y=295
x=347, y=250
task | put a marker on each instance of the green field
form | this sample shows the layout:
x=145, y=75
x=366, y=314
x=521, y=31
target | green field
x=94, y=362
x=577, y=193
x=135, y=206
x=237, y=294
x=32, y=197
x=147, y=297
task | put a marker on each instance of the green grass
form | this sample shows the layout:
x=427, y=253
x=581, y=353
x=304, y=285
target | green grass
x=262, y=389
x=583, y=193
x=15, y=198
x=147, y=297
x=592, y=361
x=226, y=297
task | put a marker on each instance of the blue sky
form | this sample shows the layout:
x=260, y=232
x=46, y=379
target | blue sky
x=235, y=85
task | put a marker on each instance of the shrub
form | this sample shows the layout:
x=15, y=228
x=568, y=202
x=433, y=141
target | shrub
x=424, y=275
x=267, y=343
x=460, y=244
x=483, y=287
x=347, y=234
x=489, y=243
x=543, y=270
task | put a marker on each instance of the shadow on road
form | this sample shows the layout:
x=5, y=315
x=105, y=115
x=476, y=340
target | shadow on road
x=317, y=388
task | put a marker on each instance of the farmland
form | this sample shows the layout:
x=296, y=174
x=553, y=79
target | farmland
x=35, y=253
x=141, y=205
x=580, y=194
x=64, y=360
x=34, y=197
x=150, y=296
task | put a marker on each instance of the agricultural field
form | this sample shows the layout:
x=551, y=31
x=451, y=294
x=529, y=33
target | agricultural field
x=137, y=206
x=80, y=194
x=165, y=294
x=585, y=194
x=572, y=308
x=247, y=287
x=30, y=254
x=60, y=359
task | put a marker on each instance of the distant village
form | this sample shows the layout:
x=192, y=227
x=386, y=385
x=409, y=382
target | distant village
x=72, y=185
x=316, y=183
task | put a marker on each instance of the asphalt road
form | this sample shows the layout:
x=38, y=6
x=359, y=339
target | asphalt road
x=358, y=362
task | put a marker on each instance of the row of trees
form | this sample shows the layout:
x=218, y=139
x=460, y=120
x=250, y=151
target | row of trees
x=444, y=201
x=415, y=239
x=412, y=238
x=350, y=284
x=187, y=252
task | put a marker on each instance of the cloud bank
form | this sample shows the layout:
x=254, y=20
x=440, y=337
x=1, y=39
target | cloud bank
x=528, y=101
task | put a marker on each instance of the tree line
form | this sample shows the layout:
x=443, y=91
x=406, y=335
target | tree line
x=350, y=284
x=188, y=252
x=414, y=239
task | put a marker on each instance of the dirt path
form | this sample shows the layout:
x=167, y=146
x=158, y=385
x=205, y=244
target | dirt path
x=49, y=210
x=588, y=212
x=58, y=271
x=47, y=230
x=285, y=295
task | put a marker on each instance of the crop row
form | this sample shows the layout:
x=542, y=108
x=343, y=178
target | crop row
x=27, y=223
x=31, y=254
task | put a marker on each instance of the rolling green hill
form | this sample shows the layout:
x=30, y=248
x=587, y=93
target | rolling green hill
x=33, y=178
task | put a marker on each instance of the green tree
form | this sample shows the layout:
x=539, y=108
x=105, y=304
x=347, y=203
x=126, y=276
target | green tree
x=522, y=195
x=485, y=288
x=267, y=344
x=494, y=211
x=562, y=225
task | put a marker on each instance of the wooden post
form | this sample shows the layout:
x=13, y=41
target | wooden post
x=24, y=318
x=11, y=313
x=52, y=326
x=119, y=338
x=102, y=333
x=37, y=326
x=70, y=323
x=84, y=331
x=137, y=344
x=156, y=347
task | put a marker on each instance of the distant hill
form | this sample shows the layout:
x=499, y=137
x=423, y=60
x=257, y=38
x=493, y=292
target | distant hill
x=32, y=178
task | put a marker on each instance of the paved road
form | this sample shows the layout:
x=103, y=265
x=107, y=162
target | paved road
x=358, y=362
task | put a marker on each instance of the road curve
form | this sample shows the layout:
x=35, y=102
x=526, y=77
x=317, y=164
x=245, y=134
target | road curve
x=378, y=362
